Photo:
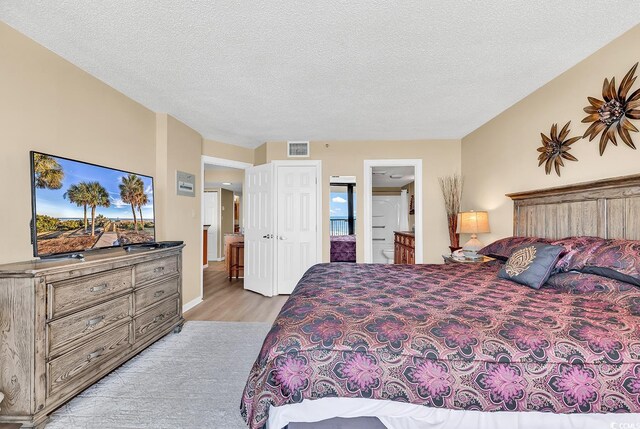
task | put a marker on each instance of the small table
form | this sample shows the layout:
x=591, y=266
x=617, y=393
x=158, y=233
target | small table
x=235, y=263
x=450, y=259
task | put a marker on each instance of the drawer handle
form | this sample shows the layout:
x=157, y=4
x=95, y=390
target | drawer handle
x=158, y=318
x=158, y=294
x=99, y=288
x=95, y=354
x=158, y=269
x=94, y=321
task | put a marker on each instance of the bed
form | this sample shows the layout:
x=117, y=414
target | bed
x=442, y=346
x=343, y=248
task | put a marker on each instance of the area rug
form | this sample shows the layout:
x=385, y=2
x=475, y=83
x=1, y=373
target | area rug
x=189, y=380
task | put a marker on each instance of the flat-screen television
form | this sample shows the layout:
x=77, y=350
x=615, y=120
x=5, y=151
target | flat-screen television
x=78, y=206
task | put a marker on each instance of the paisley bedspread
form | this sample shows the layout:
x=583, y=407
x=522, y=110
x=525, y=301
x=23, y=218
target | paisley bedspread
x=452, y=336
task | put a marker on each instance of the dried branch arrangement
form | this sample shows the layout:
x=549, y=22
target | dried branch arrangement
x=451, y=187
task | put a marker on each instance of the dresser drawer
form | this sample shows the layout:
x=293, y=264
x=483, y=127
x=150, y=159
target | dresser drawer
x=150, y=295
x=146, y=324
x=83, y=362
x=67, y=296
x=85, y=323
x=152, y=270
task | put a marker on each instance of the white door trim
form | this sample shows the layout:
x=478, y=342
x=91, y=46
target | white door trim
x=320, y=220
x=206, y=159
x=368, y=189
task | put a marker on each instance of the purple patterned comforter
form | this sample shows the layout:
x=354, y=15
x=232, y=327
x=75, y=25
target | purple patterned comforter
x=452, y=336
x=343, y=248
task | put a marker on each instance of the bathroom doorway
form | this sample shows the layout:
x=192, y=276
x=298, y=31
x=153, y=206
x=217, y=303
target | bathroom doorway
x=393, y=205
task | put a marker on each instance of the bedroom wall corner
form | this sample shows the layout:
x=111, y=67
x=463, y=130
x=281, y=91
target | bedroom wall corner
x=52, y=106
x=227, y=151
x=500, y=156
x=181, y=214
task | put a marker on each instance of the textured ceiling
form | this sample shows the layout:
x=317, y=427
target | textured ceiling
x=253, y=71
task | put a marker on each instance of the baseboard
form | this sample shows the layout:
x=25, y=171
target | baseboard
x=189, y=305
x=204, y=267
x=216, y=260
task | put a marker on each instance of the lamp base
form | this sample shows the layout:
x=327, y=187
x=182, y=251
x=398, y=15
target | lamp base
x=471, y=247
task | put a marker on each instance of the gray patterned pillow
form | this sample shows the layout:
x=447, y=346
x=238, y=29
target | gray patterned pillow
x=531, y=264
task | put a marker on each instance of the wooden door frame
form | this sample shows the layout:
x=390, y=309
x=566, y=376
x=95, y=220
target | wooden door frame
x=368, y=200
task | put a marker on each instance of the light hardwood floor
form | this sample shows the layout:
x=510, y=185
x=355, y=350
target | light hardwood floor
x=226, y=300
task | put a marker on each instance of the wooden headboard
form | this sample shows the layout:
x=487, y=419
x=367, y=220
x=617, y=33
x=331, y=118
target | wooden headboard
x=607, y=208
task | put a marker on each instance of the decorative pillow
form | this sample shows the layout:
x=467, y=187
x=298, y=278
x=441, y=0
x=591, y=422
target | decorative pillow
x=503, y=248
x=531, y=264
x=575, y=252
x=617, y=259
x=581, y=283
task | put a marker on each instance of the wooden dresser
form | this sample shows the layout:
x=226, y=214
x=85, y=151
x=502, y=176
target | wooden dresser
x=404, y=247
x=65, y=324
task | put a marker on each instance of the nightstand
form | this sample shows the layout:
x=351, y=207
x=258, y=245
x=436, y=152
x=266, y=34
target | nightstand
x=449, y=259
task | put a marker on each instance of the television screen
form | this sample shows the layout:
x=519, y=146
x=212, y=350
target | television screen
x=79, y=206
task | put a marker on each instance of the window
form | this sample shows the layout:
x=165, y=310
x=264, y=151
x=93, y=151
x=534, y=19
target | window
x=343, y=209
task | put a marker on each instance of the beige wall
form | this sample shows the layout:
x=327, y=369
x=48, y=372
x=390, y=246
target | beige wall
x=500, y=157
x=439, y=157
x=50, y=105
x=227, y=151
x=235, y=175
x=182, y=213
x=260, y=155
x=226, y=217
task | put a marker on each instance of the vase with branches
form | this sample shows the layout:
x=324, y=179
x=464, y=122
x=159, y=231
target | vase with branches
x=451, y=187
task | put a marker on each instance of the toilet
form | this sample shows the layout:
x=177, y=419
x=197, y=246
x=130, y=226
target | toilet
x=389, y=254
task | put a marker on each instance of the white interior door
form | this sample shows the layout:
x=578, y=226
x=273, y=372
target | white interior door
x=259, y=229
x=210, y=216
x=296, y=224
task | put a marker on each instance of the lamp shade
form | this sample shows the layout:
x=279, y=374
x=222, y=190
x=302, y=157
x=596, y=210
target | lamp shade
x=473, y=222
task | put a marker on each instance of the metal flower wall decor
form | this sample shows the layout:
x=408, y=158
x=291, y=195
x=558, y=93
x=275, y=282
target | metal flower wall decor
x=612, y=114
x=555, y=148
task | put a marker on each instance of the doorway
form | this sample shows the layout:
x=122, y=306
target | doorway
x=342, y=219
x=221, y=215
x=392, y=194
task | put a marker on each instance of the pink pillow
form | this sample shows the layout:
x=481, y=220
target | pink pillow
x=576, y=252
x=504, y=248
x=618, y=259
x=581, y=283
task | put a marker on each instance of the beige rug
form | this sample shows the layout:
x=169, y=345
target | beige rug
x=189, y=380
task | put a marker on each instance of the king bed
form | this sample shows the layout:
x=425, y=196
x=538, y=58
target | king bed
x=434, y=346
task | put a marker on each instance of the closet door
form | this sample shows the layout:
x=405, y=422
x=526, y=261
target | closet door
x=259, y=239
x=297, y=223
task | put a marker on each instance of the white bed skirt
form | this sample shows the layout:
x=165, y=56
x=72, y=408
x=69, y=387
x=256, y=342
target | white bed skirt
x=399, y=415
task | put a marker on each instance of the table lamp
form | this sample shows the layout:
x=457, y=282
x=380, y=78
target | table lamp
x=473, y=223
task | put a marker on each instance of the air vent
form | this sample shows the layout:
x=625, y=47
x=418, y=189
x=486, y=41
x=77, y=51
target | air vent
x=298, y=149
